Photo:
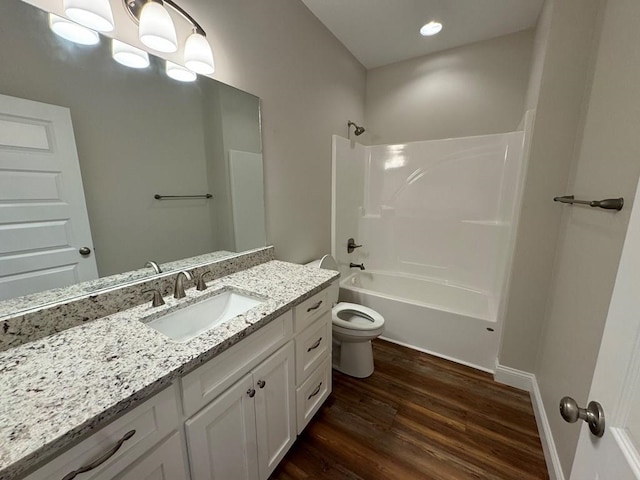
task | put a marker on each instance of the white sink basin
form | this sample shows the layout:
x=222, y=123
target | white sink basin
x=186, y=323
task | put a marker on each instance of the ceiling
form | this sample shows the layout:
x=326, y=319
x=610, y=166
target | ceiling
x=380, y=32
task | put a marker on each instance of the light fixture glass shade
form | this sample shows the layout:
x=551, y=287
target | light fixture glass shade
x=129, y=56
x=72, y=31
x=94, y=14
x=430, y=28
x=198, y=56
x=157, y=30
x=178, y=72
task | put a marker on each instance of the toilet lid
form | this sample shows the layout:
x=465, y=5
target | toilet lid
x=356, y=317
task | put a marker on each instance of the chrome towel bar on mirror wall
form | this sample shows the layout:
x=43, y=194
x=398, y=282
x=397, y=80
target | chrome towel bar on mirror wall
x=607, y=204
x=157, y=196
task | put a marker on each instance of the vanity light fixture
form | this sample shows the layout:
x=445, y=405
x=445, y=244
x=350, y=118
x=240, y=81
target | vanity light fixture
x=93, y=14
x=431, y=28
x=72, y=31
x=157, y=31
x=179, y=73
x=128, y=55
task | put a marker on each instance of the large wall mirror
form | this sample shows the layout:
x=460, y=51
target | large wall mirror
x=137, y=133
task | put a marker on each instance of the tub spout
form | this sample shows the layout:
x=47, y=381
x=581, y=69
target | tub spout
x=357, y=265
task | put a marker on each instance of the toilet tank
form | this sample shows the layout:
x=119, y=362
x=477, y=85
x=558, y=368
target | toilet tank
x=328, y=263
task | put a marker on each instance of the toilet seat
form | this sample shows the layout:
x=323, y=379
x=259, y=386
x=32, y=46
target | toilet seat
x=362, y=319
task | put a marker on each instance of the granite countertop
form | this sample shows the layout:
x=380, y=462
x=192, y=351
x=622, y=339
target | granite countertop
x=59, y=388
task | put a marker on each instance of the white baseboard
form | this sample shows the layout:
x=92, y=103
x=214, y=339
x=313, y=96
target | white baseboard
x=527, y=382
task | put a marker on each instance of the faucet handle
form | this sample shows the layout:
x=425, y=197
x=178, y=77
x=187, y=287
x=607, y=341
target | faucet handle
x=351, y=245
x=201, y=285
x=157, y=301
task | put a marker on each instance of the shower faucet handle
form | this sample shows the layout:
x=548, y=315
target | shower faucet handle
x=351, y=245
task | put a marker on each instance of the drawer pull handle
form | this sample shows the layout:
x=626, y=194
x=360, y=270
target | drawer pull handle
x=261, y=383
x=315, y=392
x=314, y=307
x=315, y=345
x=99, y=461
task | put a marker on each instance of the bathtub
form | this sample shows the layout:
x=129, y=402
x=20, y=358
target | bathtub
x=452, y=322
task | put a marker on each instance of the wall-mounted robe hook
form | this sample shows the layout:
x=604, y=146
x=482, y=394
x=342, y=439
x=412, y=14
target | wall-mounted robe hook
x=607, y=204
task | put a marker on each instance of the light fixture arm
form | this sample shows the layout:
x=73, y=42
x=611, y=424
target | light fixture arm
x=134, y=7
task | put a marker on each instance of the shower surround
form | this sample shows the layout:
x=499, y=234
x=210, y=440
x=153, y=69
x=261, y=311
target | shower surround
x=436, y=220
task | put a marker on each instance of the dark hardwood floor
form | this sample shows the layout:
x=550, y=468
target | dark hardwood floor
x=418, y=417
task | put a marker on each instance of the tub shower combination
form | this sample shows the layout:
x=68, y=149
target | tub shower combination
x=436, y=223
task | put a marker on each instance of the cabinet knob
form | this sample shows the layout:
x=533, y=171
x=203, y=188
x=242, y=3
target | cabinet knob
x=261, y=383
x=251, y=392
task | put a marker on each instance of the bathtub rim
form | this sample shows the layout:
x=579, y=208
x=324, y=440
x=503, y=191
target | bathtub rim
x=492, y=299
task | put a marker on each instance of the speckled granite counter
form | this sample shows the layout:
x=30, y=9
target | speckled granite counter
x=61, y=387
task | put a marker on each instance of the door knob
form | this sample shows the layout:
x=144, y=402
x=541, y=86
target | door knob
x=593, y=414
x=85, y=251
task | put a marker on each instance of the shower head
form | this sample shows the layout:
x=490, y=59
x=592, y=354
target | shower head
x=358, y=131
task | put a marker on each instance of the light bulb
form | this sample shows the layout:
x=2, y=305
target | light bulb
x=156, y=29
x=198, y=56
x=72, y=31
x=430, y=28
x=94, y=14
x=178, y=72
x=128, y=55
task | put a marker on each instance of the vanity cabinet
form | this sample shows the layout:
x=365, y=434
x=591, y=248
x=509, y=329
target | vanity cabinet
x=155, y=420
x=246, y=431
x=233, y=418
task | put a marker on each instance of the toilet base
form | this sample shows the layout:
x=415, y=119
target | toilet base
x=353, y=358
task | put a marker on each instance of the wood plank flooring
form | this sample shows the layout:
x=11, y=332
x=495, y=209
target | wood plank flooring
x=418, y=417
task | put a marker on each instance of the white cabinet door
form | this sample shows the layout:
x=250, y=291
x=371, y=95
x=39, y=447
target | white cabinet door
x=43, y=216
x=165, y=462
x=222, y=437
x=275, y=408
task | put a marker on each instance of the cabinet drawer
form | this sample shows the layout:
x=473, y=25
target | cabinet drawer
x=313, y=345
x=305, y=313
x=312, y=394
x=211, y=379
x=152, y=421
x=164, y=462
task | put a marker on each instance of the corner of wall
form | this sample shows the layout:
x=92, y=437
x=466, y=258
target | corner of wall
x=527, y=381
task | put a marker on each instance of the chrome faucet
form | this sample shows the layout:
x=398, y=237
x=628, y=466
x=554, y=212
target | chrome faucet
x=153, y=265
x=357, y=265
x=178, y=288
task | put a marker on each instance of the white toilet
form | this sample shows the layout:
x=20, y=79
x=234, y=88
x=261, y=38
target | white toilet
x=354, y=326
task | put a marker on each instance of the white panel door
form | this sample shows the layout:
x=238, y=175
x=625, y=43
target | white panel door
x=616, y=381
x=222, y=437
x=247, y=200
x=43, y=216
x=275, y=408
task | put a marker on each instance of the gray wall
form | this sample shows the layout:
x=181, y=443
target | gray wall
x=590, y=242
x=472, y=90
x=562, y=99
x=585, y=142
x=309, y=86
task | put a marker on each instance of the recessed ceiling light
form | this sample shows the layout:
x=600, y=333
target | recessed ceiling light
x=430, y=28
